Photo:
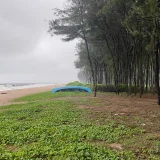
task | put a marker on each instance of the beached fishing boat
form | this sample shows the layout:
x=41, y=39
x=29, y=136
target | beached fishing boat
x=72, y=89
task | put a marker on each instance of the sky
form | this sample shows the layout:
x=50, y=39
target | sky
x=28, y=54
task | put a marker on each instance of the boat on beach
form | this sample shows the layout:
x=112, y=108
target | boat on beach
x=72, y=89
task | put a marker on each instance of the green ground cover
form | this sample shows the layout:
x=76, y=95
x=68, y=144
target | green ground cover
x=47, y=128
x=49, y=96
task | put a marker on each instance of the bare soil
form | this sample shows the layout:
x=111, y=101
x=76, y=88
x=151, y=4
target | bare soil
x=131, y=111
x=134, y=110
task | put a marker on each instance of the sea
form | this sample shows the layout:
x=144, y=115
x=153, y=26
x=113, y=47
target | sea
x=15, y=86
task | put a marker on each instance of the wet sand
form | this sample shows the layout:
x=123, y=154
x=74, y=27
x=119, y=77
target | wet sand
x=8, y=96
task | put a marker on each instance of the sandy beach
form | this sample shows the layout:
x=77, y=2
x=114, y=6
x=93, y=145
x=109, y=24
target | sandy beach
x=5, y=99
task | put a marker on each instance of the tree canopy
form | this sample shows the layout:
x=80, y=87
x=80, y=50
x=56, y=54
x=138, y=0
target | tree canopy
x=119, y=41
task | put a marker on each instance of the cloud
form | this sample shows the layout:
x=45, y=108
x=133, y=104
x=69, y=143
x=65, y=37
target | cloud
x=22, y=24
x=28, y=53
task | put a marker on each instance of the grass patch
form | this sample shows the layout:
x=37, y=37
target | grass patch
x=50, y=95
x=57, y=130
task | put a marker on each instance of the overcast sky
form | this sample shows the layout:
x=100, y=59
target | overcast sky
x=27, y=52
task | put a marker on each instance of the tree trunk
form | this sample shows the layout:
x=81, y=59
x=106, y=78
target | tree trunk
x=91, y=66
x=157, y=69
x=147, y=73
x=88, y=52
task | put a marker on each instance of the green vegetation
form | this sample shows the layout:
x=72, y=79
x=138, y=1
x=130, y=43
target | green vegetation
x=57, y=130
x=49, y=95
x=54, y=126
x=76, y=83
x=104, y=88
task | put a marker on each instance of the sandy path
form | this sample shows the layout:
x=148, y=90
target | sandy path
x=5, y=99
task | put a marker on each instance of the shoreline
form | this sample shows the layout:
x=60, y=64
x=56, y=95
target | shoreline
x=9, y=95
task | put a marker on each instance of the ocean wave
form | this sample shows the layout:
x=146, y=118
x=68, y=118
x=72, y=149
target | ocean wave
x=7, y=87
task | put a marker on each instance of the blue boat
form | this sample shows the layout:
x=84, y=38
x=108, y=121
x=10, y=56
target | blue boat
x=72, y=89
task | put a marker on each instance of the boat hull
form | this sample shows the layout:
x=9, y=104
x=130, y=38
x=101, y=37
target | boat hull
x=72, y=89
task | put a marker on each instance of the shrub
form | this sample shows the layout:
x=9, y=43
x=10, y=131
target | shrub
x=76, y=83
x=100, y=87
x=106, y=88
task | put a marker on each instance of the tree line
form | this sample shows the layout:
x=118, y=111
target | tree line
x=119, y=41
